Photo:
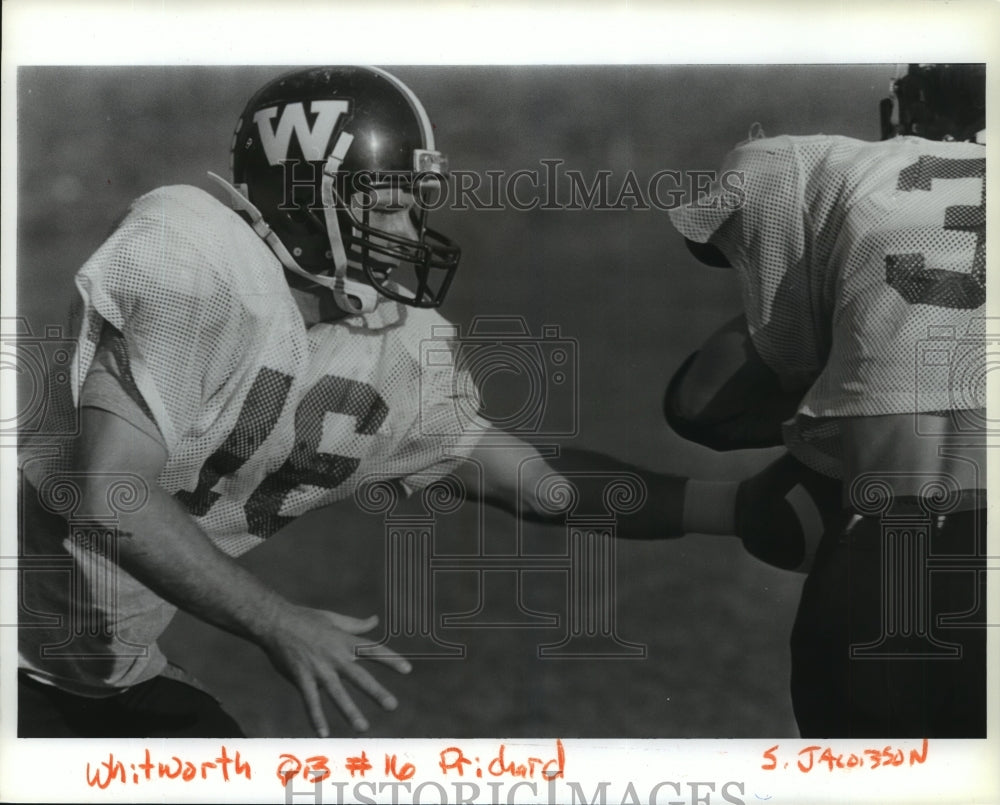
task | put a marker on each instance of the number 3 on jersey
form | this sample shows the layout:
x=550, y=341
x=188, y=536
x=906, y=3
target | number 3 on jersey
x=909, y=273
x=307, y=464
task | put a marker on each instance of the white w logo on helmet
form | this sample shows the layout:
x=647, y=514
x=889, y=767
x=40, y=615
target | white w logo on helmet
x=313, y=141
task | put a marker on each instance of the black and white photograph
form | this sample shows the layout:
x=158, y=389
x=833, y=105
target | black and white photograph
x=501, y=429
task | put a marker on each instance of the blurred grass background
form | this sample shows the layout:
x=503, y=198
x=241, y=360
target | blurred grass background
x=619, y=283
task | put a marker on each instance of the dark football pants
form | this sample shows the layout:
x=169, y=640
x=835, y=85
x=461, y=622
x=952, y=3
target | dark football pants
x=159, y=708
x=848, y=601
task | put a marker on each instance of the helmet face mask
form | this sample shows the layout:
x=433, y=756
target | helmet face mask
x=312, y=153
x=413, y=270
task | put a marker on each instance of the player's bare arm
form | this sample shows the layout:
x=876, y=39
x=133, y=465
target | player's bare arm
x=508, y=473
x=779, y=514
x=165, y=549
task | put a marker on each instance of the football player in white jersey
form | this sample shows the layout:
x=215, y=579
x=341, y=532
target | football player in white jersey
x=862, y=349
x=234, y=369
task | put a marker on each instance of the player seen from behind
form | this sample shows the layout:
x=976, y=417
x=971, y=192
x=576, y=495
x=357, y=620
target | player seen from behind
x=863, y=273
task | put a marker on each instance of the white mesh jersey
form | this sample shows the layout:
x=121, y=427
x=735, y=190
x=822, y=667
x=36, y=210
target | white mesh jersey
x=856, y=259
x=263, y=419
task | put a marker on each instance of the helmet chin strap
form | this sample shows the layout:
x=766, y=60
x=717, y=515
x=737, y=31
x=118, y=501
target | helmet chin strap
x=340, y=281
x=350, y=295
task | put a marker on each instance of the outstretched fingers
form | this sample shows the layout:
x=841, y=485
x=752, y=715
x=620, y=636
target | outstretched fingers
x=314, y=705
x=338, y=693
x=321, y=652
x=386, y=656
x=371, y=686
x=359, y=626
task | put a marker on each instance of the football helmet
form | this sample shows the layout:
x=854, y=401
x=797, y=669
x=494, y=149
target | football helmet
x=311, y=151
x=937, y=102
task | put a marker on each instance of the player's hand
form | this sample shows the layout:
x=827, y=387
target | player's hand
x=314, y=648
